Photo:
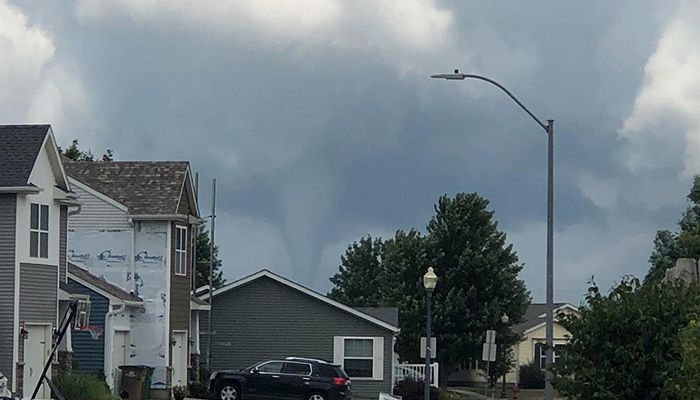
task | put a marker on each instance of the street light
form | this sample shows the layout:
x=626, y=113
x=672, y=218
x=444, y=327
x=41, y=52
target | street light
x=429, y=282
x=504, y=320
x=549, y=129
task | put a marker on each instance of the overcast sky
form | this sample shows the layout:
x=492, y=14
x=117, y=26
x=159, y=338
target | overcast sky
x=321, y=125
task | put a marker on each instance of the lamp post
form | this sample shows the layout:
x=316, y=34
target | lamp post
x=429, y=282
x=504, y=320
x=549, y=129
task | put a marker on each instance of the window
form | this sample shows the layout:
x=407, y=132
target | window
x=358, y=357
x=541, y=353
x=39, y=231
x=181, y=250
x=272, y=367
x=295, y=368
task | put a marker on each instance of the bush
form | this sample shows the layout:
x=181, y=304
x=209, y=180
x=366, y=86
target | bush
x=179, y=392
x=411, y=389
x=199, y=390
x=78, y=386
x=531, y=377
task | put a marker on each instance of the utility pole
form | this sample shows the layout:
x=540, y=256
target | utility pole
x=211, y=269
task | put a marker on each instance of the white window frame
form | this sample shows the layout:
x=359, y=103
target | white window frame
x=377, y=356
x=39, y=231
x=180, y=251
x=541, y=356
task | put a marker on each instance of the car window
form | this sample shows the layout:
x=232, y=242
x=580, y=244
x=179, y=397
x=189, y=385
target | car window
x=272, y=367
x=296, y=368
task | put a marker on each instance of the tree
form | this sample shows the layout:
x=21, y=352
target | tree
x=203, y=262
x=688, y=386
x=74, y=153
x=670, y=246
x=359, y=267
x=626, y=344
x=478, y=282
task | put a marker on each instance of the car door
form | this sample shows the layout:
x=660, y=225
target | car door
x=264, y=380
x=295, y=380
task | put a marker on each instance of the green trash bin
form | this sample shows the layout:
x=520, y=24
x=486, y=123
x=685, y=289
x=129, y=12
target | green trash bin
x=136, y=382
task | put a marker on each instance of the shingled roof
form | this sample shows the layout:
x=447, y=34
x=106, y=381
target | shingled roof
x=145, y=187
x=19, y=148
x=102, y=284
x=532, y=316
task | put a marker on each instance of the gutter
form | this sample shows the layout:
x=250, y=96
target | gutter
x=20, y=189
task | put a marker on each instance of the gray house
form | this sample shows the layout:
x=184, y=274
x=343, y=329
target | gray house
x=34, y=199
x=265, y=316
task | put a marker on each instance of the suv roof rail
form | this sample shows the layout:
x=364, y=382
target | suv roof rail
x=318, y=360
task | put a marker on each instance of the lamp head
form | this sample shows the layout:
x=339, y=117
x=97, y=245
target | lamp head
x=452, y=77
x=504, y=318
x=430, y=279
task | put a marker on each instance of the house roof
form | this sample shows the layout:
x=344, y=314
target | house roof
x=197, y=304
x=102, y=286
x=389, y=315
x=536, y=314
x=145, y=187
x=311, y=293
x=19, y=148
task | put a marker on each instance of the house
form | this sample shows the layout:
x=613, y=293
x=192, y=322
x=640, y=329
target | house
x=108, y=323
x=265, y=316
x=533, y=330
x=134, y=231
x=531, y=347
x=35, y=197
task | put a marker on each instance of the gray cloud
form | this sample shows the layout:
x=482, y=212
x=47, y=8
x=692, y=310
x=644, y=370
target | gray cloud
x=321, y=125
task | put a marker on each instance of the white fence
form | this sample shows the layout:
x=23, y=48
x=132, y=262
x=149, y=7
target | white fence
x=417, y=372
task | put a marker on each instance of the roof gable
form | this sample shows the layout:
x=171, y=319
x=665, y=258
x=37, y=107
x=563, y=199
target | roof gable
x=19, y=148
x=144, y=187
x=536, y=314
x=267, y=274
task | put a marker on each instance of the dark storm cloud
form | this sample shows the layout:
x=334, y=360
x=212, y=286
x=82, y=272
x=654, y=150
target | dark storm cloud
x=319, y=138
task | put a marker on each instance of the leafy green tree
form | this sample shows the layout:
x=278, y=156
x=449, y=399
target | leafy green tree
x=74, y=153
x=203, y=262
x=669, y=246
x=626, y=344
x=478, y=283
x=688, y=385
x=358, y=271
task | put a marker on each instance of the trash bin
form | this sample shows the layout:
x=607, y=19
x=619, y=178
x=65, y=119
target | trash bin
x=136, y=382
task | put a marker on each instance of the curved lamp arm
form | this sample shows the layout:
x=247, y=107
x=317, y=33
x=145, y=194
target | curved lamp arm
x=458, y=76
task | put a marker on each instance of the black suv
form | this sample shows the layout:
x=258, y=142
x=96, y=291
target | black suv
x=292, y=378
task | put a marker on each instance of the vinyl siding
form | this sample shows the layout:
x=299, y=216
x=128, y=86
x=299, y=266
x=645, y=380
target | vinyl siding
x=88, y=353
x=179, y=287
x=62, y=241
x=38, y=294
x=96, y=214
x=265, y=319
x=8, y=209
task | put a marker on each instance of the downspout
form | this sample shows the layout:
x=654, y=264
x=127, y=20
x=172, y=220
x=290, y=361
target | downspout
x=109, y=342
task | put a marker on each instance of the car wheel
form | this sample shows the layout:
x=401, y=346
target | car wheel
x=228, y=391
x=316, y=396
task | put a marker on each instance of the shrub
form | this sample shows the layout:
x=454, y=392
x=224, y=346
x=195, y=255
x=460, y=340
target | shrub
x=199, y=390
x=412, y=389
x=76, y=386
x=531, y=377
x=179, y=392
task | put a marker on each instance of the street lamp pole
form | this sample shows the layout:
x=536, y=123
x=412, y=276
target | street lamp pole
x=429, y=282
x=549, y=129
x=504, y=320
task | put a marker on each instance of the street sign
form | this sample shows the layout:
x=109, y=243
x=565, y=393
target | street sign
x=488, y=353
x=433, y=347
x=490, y=336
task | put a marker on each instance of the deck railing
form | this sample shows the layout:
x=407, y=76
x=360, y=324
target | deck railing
x=417, y=372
